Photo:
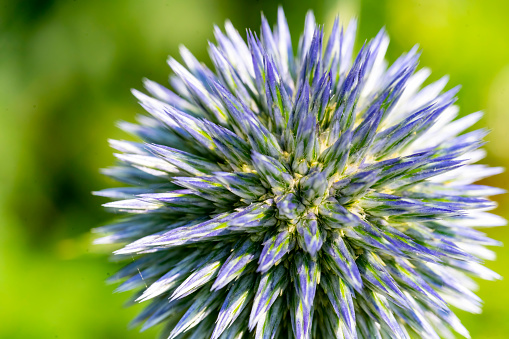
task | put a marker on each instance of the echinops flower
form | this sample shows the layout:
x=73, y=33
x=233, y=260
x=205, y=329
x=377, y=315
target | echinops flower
x=301, y=195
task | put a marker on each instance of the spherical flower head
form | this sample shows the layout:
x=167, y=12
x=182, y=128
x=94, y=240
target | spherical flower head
x=307, y=195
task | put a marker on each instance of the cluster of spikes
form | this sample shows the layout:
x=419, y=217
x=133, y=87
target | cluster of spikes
x=308, y=195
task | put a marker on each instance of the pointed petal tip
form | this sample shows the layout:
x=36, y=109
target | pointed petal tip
x=139, y=95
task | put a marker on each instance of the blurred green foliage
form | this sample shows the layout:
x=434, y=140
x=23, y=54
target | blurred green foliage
x=66, y=69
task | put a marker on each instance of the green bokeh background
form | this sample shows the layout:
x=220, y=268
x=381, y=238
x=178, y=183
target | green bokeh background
x=66, y=68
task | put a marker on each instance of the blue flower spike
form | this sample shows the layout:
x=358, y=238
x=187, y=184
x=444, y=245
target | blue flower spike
x=301, y=192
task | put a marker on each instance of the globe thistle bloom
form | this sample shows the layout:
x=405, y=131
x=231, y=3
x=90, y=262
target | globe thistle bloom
x=313, y=194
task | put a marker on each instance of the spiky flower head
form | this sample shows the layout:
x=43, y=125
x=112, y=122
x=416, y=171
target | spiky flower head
x=307, y=195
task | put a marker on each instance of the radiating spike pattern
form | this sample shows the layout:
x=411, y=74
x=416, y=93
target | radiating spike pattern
x=301, y=192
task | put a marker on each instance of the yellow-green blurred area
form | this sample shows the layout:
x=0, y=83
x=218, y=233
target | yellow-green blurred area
x=66, y=68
